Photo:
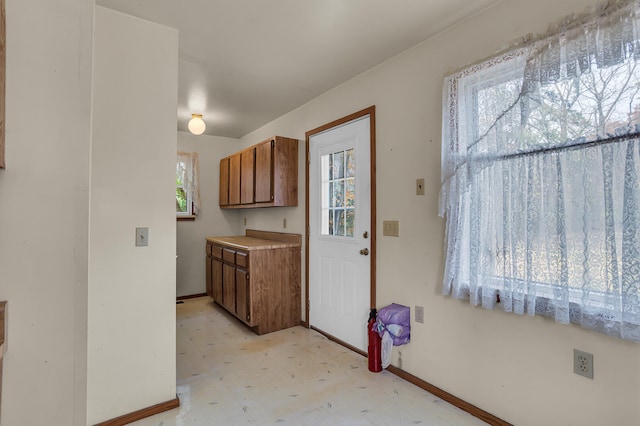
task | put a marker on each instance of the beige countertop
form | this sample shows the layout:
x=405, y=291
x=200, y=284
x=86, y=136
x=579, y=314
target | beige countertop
x=251, y=243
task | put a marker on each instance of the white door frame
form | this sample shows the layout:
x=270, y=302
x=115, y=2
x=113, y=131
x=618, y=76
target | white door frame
x=371, y=112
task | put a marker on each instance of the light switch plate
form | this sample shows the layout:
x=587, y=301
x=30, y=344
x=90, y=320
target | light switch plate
x=391, y=228
x=419, y=186
x=142, y=237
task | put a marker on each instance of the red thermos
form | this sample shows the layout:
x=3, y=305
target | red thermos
x=375, y=344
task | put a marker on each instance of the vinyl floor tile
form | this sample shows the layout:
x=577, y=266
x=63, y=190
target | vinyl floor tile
x=228, y=375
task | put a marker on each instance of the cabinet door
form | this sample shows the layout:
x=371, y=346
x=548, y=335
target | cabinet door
x=229, y=287
x=216, y=280
x=264, y=172
x=209, y=276
x=234, y=179
x=247, y=164
x=242, y=295
x=224, y=182
x=285, y=172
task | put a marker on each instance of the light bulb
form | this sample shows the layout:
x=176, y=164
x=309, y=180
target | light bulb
x=196, y=124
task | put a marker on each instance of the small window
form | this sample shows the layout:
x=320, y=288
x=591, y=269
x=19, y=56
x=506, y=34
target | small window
x=187, y=191
x=339, y=196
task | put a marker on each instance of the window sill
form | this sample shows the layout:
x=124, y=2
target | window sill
x=185, y=218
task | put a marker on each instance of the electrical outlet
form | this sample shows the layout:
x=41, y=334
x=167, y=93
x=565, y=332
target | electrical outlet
x=284, y=223
x=419, y=312
x=245, y=221
x=142, y=237
x=583, y=363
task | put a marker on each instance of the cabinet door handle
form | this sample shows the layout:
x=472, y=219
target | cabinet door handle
x=364, y=252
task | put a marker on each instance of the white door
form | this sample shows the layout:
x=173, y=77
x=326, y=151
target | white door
x=339, y=231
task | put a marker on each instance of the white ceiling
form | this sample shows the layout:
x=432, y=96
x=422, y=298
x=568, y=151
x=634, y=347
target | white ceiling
x=243, y=63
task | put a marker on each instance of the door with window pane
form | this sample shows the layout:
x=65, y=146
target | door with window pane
x=339, y=231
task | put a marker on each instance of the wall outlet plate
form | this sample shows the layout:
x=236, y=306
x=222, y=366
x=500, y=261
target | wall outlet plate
x=391, y=228
x=419, y=186
x=419, y=314
x=583, y=363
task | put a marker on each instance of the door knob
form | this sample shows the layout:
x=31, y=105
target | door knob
x=364, y=252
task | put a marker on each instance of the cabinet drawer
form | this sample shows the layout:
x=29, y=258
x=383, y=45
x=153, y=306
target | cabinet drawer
x=229, y=255
x=216, y=251
x=209, y=246
x=242, y=259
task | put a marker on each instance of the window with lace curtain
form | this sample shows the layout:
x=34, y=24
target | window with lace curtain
x=540, y=168
x=187, y=191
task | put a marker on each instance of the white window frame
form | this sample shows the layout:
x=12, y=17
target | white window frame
x=474, y=267
x=188, y=162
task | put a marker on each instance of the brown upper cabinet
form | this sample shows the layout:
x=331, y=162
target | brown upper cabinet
x=263, y=175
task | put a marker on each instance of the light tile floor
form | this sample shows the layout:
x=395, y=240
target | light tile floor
x=227, y=375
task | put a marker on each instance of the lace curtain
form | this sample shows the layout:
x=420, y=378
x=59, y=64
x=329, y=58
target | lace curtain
x=540, y=169
x=189, y=177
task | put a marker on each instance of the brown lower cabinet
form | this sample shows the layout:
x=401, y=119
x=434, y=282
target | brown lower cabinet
x=256, y=277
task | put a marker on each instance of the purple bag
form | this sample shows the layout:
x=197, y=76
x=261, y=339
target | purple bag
x=396, y=319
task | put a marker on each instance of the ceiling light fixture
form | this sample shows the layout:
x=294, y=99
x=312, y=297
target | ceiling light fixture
x=196, y=124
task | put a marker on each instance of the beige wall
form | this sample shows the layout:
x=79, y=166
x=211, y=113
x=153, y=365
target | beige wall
x=519, y=368
x=44, y=202
x=212, y=221
x=516, y=367
x=131, y=308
